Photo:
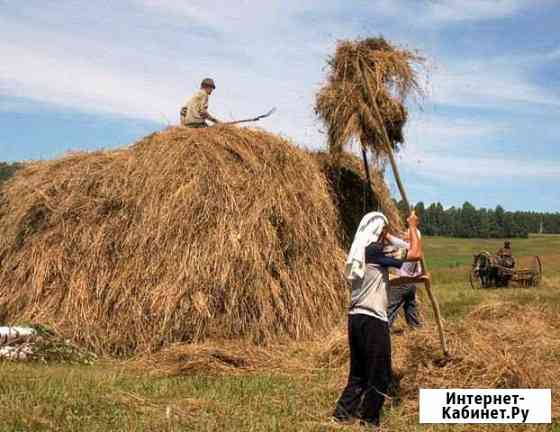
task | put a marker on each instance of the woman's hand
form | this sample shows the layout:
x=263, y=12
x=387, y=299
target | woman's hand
x=413, y=220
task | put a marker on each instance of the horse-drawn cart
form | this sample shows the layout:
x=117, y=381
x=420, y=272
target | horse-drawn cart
x=489, y=271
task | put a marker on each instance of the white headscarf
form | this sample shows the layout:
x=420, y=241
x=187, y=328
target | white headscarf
x=369, y=230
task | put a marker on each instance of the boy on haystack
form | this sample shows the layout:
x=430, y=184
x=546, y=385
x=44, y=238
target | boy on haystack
x=368, y=329
x=195, y=113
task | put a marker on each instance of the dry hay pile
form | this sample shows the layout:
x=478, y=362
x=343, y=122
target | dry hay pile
x=352, y=195
x=497, y=345
x=363, y=98
x=218, y=357
x=185, y=236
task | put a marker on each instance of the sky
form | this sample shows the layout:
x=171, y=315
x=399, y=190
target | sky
x=83, y=75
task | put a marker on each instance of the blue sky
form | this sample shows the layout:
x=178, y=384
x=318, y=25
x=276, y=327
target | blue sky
x=82, y=75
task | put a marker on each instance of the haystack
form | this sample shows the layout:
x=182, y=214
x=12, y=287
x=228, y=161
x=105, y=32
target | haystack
x=352, y=195
x=363, y=97
x=188, y=235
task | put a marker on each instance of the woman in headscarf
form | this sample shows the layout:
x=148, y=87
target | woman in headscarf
x=368, y=331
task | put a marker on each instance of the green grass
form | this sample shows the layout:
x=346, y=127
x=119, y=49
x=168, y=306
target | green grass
x=110, y=396
x=103, y=398
x=448, y=253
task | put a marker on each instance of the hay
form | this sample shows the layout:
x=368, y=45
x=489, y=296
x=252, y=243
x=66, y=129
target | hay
x=386, y=202
x=368, y=83
x=201, y=359
x=220, y=357
x=497, y=345
x=187, y=235
x=352, y=195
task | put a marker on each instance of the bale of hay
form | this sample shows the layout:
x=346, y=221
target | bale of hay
x=185, y=236
x=363, y=97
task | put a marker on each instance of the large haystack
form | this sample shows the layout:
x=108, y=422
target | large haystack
x=185, y=236
x=363, y=97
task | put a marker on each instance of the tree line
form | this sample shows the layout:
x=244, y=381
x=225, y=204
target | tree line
x=7, y=170
x=470, y=222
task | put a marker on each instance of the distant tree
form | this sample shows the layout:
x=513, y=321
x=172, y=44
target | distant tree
x=484, y=223
x=452, y=221
x=429, y=223
x=421, y=213
x=442, y=219
x=7, y=170
x=469, y=221
x=499, y=214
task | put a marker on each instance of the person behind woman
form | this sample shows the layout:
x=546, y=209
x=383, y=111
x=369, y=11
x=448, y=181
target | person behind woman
x=404, y=295
x=368, y=330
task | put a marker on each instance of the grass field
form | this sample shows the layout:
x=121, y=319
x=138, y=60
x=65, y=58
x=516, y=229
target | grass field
x=123, y=396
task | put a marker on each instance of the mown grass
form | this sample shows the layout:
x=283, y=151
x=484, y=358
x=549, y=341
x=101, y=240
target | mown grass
x=110, y=396
x=106, y=398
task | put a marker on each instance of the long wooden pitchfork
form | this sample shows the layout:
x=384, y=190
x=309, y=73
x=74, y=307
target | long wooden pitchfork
x=425, y=278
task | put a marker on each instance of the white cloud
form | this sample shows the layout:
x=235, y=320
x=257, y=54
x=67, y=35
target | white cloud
x=423, y=13
x=461, y=10
x=139, y=77
x=553, y=55
x=449, y=168
x=36, y=73
x=261, y=41
x=241, y=16
x=454, y=150
x=259, y=52
x=433, y=131
x=500, y=84
x=420, y=15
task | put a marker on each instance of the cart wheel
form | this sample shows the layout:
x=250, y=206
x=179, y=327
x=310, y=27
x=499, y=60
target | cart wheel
x=537, y=270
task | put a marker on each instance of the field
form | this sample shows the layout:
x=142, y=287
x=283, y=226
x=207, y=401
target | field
x=289, y=391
